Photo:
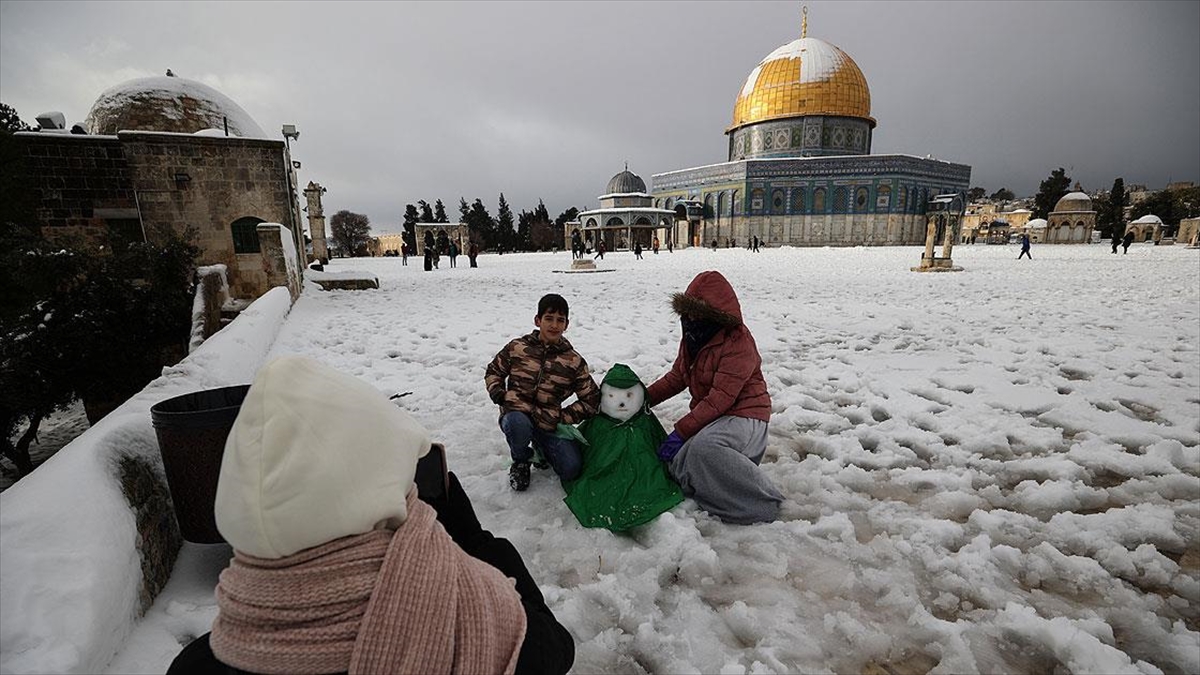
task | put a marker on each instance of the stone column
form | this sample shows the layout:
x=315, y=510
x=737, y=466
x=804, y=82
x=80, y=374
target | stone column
x=316, y=221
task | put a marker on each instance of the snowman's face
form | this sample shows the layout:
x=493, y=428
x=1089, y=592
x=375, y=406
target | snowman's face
x=621, y=404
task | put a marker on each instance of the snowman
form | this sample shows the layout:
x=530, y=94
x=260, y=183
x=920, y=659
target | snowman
x=623, y=484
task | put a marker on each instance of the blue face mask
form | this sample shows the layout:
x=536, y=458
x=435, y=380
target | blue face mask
x=697, y=333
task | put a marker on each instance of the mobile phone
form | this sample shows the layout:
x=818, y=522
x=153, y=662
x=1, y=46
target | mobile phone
x=432, y=478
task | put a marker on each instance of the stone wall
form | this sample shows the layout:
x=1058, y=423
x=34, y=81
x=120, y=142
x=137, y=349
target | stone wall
x=89, y=185
x=80, y=183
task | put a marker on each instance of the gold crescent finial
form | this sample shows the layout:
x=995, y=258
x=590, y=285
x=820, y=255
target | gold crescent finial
x=804, y=22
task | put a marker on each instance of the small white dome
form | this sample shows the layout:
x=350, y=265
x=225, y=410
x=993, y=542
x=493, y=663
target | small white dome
x=1148, y=219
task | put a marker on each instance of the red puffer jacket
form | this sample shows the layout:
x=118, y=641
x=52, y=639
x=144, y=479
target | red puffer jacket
x=726, y=377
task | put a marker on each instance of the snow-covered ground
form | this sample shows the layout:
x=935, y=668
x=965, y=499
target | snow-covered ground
x=990, y=471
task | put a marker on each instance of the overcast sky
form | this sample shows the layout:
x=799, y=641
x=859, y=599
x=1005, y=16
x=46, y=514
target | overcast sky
x=397, y=102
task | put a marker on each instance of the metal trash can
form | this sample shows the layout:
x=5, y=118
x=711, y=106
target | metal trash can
x=191, y=431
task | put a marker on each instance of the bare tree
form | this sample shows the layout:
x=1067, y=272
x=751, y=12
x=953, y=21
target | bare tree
x=351, y=232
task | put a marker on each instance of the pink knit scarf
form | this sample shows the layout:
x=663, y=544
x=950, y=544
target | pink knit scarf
x=408, y=601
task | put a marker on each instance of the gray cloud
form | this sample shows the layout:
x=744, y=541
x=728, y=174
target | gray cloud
x=404, y=101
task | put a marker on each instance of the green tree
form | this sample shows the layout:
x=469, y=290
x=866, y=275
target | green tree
x=137, y=295
x=1170, y=205
x=350, y=232
x=411, y=218
x=505, y=233
x=1110, y=211
x=560, y=223
x=439, y=212
x=17, y=201
x=1003, y=195
x=976, y=193
x=480, y=225
x=1050, y=191
x=426, y=211
x=10, y=121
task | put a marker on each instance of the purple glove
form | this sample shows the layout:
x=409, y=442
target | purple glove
x=670, y=447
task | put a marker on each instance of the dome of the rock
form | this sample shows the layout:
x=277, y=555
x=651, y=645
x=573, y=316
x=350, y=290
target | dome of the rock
x=804, y=77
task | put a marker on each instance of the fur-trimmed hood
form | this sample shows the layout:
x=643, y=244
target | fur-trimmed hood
x=709, y=297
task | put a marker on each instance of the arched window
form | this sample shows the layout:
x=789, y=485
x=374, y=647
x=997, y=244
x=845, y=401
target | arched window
x=614, y=222
x=819, y=200
x=841, y=200
x=914, y=202
x=902, y=201
x=708, y=206
x=591, y=222
x=643, y=220
x=923, y=201
x=245, y=234
x=778, y=201
x=737, y=203
x=798, y=200
x=670, y=204
x=728, y=197
x=757, y=195
x=722, y=203
x=883, y=198
x=861, y=196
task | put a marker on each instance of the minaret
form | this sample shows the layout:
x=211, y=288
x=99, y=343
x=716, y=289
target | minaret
x=316, y=221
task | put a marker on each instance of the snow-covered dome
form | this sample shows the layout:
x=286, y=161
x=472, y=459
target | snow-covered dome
x=803, y=77
x=168, y=103
x=1074, y=201
x=625, y=183
x=1036, y=223
x=1148, y=219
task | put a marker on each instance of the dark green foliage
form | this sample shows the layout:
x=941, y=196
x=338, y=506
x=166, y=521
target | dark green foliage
x=1050, y=191
x=506, y=234
x=480, y=224
x=426, y=211
x=439, y=212
x=411, y=218
x=1170, y=205
x=1110, y=211
x=976, y=193
x=86, y=321
x=10, y=121
x=1003, y=195
x=351, y=233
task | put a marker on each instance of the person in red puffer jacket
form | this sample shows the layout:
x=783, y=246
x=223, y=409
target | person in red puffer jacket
x=715, y=449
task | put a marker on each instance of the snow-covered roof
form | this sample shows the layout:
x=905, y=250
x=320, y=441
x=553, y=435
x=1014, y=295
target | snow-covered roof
x=819, y=61
x=626, y=194
x=1036, y=223
x=1148, y=219
x=1076, y=195
x=167, y=103
x=628, y=209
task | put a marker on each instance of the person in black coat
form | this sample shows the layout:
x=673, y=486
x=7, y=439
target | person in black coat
x=1126, y=242
x=548, y=647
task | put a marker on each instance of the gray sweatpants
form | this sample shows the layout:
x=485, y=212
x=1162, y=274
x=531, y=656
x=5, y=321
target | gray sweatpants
x=718, y=467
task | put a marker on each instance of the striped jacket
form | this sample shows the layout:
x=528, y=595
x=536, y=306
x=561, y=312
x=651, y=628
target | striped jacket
x=535, y=378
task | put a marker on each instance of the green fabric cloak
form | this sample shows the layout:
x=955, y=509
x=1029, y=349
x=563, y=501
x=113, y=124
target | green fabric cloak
x=623, y=484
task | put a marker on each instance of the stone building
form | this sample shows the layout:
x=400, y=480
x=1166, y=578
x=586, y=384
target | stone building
x=1147, y=228
x=626, y=215
x=1072, y=220
x=800, y=170
x=156, y=155
x=981, y=217
x=1189, y=231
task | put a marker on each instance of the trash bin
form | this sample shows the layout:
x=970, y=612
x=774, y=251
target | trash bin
x=191, y=432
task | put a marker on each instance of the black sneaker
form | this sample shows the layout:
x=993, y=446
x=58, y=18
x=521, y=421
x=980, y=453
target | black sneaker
x=518, y=476
x=539, y=460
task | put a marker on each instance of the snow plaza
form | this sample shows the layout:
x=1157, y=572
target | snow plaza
x=991, y=471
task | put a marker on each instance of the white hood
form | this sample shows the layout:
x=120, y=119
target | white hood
x=314, y=455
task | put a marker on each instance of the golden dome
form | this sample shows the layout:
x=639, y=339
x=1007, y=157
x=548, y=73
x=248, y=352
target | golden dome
x=804, y=77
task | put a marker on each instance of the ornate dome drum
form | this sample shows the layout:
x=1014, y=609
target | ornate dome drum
x=807, y=98
x=168, y=103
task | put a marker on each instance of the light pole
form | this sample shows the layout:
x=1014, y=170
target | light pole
x=290, y=132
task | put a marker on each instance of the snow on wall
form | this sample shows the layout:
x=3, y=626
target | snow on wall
x=71, y=569
x=197, y=336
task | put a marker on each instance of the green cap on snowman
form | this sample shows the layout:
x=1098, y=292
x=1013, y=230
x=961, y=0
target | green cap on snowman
x=622, y=394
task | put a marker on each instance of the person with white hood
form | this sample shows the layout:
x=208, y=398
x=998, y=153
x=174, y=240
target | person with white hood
x=338, y=567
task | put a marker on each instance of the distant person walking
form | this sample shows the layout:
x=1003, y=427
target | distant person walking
x=1024, y=247
x=453, y=254
x=427, y=254
x=403, y=253
x=655, y=245
x=637, y=250
x=670, y=246
x=1115, y=242
x=472, y=254
x=599, y=250
x=756, y=242
x=1126, y=242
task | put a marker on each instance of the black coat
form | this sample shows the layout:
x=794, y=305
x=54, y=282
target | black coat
x=548, y=647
